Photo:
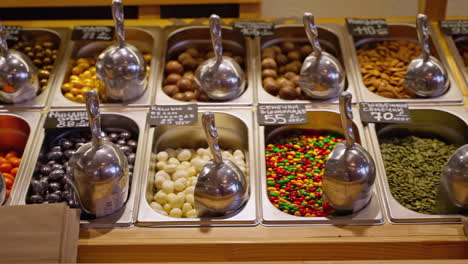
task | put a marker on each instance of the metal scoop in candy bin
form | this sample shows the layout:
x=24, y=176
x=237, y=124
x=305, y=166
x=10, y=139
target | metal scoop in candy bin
x=350, y=169
x=454, y=180
x=2, y=190
x=221, y=187
x=121, y=66
x=98, y=171
x=220, y=77
x=321, y=76
x=18, y=75
x=425, y=76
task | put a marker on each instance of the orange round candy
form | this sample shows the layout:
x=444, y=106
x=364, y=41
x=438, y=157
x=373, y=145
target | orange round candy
x=5, y=167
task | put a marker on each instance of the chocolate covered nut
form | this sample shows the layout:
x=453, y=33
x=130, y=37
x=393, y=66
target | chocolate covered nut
x=271, y=86
x=306, y=50
x=288, y=93
x=193, y=52
x=287, y=46
x=269, y=73
x=170, y=89
x=269, y=63
x=179, y=96
x=184, y=56
x=184, y=85
x=281, y=59
x=172, y=78
x=294, y=55
x=174, y=67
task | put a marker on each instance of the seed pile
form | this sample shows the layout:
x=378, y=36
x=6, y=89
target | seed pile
x=414, y=166
x=295, y=167
x=383, y=67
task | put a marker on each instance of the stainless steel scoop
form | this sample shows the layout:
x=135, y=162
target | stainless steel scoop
x=321, y=76
x=221, y=187
x=220, y=77
x=454, y=180
x=2, y=189
x=121, y=66
x=425, y=75
x=98, y=171
x=18, y=75
x=350, y=169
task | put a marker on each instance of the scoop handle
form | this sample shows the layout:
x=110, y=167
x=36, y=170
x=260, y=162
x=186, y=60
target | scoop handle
x=94, y=116
x=312, y=33
x=211, y=133
x=118, y=15
x=3, y=44
x=216, y=38
x=423, y=35
x=347, y=118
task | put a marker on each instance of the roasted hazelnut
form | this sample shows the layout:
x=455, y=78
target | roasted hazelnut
x=37, y=48
x=190, y=64
x=289, y=75
x=189, y=75
x=170, y=89
x=284, y=82
x=203, y=97
x=48, y=44
x=294, y=55
x=193, y=52
x=174, y=66
x=268, y=54
x=288, y=93
x=295, y=80
x=172, y=78
x=287, y=46
x=39, y=55
x=200, y=61
x=184, y=85
x=271, y=86
x=276, y=49
x=281, y=59
x=184, y=56
x=292, y=67
x=306, y=50
x=179, y=96
x=269, y=63
x=189, y=96
x=269, y=73
x=282, y=69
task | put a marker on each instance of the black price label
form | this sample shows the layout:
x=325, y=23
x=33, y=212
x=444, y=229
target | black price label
x=454, y=27
x=12, y=33
x=103, y=33
x=367, y=27
x=281, y=114
x=173, y=114
x=66, y=119
x=384, y=113
x=254, y=29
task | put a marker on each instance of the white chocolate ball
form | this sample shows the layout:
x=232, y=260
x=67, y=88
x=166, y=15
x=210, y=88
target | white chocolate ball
x=193, y=181
x=170, y=168
x=239, y=154
x=205, y=159
x=185, y=208
x=162, y=212
x=181, y=167
x=160, y=165
x=167, y=207
x=175, y=212
x=189, y=190
x=156, y=206
x=171, y=152
x=162, y=156
x=160, y=197
x=189, y=198
x=186, y=163
x=180, y=184
x=173, y=161
x=179, y=174
x=191, y=214
x=181, y=195
x=163, y=174
x=184, y=155
x=200, y=151
x=168, y=186
x=191, y=171
x=171, y=197
x=177, y=202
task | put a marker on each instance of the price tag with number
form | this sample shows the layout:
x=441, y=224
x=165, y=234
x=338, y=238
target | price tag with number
x=103, y=33
x=384, y=113
x=367, y=27
x=254, y=29
x=281, y=114
x=173, y=114
x=12, y=33
x=454, y=27
x=66, y=119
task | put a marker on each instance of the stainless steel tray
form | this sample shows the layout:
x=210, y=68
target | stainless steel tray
x=326, y=119
x=145, y=38
x=451, y=43
x=331, y=38
x=447, y=122
x=134, y=121
x=18, y=132
x=177, y=38
x=235, y=131
x=405, y=31
x=59, y=36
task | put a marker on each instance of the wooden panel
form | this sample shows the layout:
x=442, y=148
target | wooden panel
x=250, y=11
x=57, y=3
x=434, y=9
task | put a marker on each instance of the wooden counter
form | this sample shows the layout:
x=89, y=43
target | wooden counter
x=297, y=243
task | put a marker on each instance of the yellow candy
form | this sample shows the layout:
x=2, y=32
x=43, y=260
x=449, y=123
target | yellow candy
x=86, y=74
x=70, y=96
x=75, y=91
x=80, y=98
x=76, y=84
x=77, y=70
x=66, y=87
x=84, y=65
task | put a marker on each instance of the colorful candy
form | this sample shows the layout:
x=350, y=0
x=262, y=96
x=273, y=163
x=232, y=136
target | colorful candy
x=295, y=167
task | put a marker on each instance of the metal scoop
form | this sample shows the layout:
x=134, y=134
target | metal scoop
x=350, y=170
x=18, y=75
x=322, y=76
x=454, y=180
x=121, y=66
x=220, y=77
x=2, y=189
x=425, y=76
x=98, y=171
x=221, y=187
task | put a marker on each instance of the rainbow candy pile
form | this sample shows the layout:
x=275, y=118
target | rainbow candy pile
x=295, y=167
